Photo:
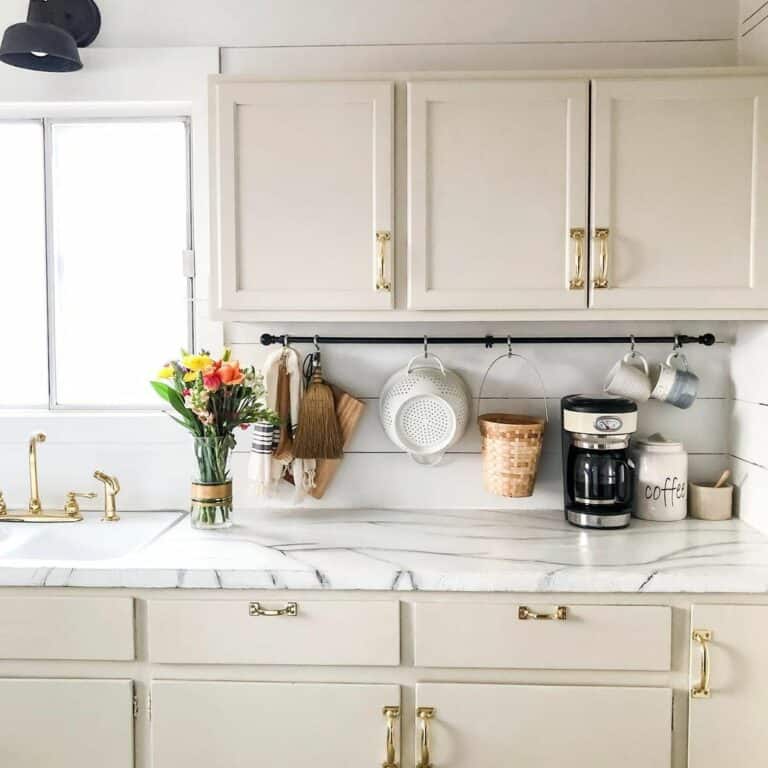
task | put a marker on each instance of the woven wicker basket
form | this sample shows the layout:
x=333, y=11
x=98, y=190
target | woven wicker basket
x=511, y=442
x=511, y=448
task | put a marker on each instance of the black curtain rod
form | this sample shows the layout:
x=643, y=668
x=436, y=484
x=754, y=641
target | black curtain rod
x=707, y=339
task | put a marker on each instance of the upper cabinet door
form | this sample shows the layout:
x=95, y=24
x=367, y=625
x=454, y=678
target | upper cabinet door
x=303, y=195
x=497, y=194
x=680, y=193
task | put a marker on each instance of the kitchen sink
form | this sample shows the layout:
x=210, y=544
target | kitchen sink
x=90, y=539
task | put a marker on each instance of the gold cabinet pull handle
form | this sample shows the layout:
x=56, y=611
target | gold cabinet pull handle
x=392, y=714
x=425, y=714
x=701, y=690
x=601, y=279
x=382, y=284
x=577, y=282
x=524, y=613
x=291, y=609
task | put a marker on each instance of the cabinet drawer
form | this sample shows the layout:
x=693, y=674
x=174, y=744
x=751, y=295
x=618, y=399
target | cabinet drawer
x=76, y=628
x=247, y=632
x=589, y=637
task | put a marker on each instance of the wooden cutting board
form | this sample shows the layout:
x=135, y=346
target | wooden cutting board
x=349, y=410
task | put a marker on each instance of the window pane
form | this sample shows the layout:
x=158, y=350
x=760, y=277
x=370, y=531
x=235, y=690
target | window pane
x=119, y=229
x=23, y=330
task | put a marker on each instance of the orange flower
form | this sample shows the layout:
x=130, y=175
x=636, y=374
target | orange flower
x=230, y=373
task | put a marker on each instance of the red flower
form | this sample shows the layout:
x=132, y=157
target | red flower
x=211, y=381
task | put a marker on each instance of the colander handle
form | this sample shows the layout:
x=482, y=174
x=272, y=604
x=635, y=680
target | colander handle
x=426, y=364
x=507, y=356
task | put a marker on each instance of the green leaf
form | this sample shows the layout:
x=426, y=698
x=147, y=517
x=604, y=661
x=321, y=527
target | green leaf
x=176, y=401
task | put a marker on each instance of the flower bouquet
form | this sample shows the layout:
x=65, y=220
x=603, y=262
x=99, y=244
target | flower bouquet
x=212, y=398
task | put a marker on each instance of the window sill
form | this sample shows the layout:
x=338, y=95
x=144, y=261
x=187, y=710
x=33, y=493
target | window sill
x=90, y=426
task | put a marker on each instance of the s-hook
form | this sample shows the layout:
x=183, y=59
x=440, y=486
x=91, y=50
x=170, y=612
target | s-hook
x=426, y=347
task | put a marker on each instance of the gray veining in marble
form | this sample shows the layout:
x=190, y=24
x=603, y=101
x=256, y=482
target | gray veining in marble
x=389, y=550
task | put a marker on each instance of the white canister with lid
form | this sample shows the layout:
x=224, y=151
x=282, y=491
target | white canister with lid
x=661, y=479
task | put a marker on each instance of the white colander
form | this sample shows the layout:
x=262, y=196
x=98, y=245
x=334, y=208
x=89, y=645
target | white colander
x=424, y=409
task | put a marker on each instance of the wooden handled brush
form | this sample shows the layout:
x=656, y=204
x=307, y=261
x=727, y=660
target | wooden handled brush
x=318, y=435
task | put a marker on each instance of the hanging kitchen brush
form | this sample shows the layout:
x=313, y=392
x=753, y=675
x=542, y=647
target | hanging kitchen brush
x=318, y=435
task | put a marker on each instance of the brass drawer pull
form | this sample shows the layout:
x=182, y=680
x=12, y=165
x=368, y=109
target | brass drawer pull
x=702, y=637
x=524, y=613
x=577, y=282
x=601, y=280
x=392, y=714
x=382, y=284
x=291, y=609
x=425, y=714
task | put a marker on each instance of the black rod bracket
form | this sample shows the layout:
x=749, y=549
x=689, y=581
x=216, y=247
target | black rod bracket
x=680, y=339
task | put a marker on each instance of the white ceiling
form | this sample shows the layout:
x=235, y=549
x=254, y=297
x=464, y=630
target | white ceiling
x=327, y=22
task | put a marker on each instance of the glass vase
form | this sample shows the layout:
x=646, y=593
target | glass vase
x=211, y=500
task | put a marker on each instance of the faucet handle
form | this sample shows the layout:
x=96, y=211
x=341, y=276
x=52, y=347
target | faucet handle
x=71, y=507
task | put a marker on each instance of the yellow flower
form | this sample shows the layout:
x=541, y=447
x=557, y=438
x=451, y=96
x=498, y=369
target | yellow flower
x=190, y=376
x=165, y=372
x=196, y=363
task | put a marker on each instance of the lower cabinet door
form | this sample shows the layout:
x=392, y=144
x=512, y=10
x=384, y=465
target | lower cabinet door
x=290, y=725
x=461, y=725
x=66, y=723
x=728, y=686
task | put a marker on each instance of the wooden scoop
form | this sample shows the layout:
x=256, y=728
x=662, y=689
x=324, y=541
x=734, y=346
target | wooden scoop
x=723, y=479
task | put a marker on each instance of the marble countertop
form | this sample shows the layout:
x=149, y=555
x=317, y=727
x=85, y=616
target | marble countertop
x=483, y=551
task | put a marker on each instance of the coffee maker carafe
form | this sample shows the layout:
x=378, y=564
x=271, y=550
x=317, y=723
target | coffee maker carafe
x=598, y=474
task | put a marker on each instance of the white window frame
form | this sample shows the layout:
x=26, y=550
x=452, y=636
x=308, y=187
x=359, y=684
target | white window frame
x=50, y=202
x=124, y=84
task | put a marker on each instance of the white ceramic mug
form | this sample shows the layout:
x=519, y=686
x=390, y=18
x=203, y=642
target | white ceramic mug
x=676, y=386
x=628, y=379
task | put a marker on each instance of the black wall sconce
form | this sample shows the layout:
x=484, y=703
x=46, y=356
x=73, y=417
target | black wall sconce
x=48, y=40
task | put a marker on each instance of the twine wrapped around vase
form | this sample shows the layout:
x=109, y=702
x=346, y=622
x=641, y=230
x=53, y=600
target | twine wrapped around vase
x=511, y=444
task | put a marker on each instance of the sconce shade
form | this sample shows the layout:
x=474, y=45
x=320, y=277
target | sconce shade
x=48, y=40
x=36, y=45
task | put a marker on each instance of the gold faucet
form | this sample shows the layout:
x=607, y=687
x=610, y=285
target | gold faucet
x=35, y=512
x=35, y=506
x=111, y=489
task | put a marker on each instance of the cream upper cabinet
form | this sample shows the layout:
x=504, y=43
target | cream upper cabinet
x=302, y=195
x=66, y=723
x=497, y=175
x=526, y=725
x=726, y=727
x=291, y=725
x=680, y=183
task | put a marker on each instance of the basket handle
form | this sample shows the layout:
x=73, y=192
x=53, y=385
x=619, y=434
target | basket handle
x=508, y=356
x=426, y=364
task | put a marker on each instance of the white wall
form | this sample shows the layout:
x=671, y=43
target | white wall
x=749, y=422
x=148, y=452
x=753, y=32
x=749, y=419
x=367, y=22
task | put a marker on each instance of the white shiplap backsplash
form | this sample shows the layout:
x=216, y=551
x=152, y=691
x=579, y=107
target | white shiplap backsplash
x=749, y=423
x=375, y=473
x=152, y=457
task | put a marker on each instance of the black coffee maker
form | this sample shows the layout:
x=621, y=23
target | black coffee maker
x=598, y=474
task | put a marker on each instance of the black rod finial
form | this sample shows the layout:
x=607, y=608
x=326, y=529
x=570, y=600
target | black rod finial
x=267, y=339
x=708, y=339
